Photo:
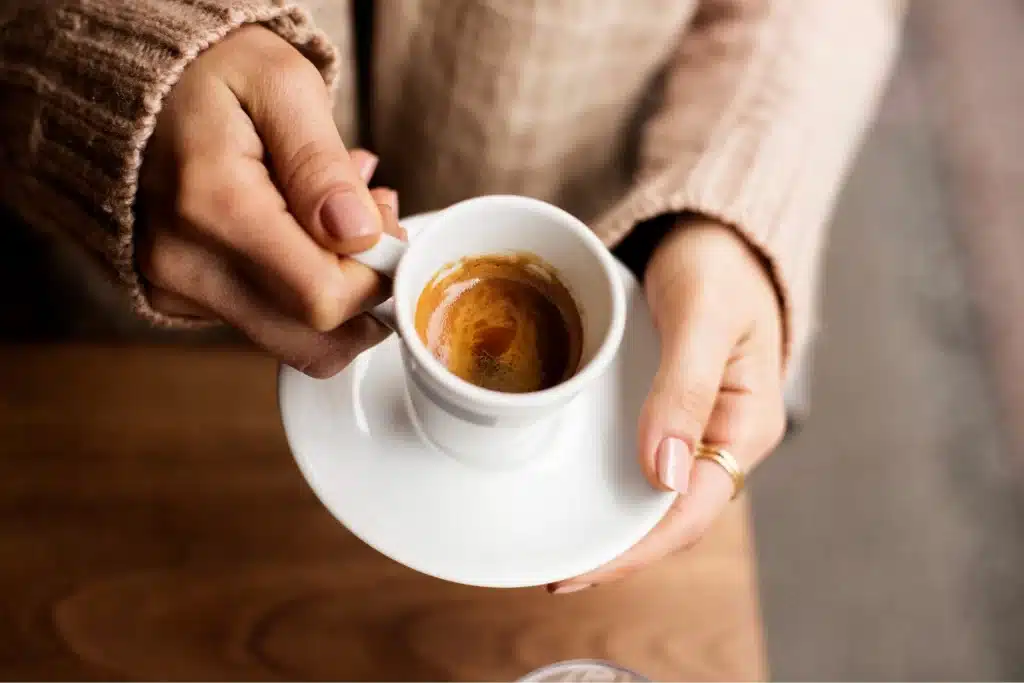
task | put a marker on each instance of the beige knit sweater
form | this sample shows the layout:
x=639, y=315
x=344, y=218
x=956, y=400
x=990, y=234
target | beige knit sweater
x=618, y=110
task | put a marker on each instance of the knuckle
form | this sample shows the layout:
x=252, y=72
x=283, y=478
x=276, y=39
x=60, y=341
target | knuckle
x=329, y=365
x=192, y=178
x=191, y=203
x=321, y=300
x=210, y=198
x=266, y=59
x=696, y=399
x=357, y=335
x=285, y=75
x=314, y=168
x=159, y=262
x=690, y=405
x=159, y=303
x=172, y=264
x=284, y=66
x=365, y=331
x=227, y=201
x=321, y=369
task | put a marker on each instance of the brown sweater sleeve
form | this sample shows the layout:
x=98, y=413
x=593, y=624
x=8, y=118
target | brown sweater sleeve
x=763, y=108
x=81, y=84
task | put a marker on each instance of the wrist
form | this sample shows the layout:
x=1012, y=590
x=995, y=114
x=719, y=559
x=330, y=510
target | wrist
x=694, y=232
x=700, y=251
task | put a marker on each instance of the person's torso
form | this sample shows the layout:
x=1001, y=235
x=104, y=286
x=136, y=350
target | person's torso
x=535, y=97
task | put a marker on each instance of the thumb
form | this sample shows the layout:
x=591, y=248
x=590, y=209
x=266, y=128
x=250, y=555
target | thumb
x=694, y=355
x=291, y=110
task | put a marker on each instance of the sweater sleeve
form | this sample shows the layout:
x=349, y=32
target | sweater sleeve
x=763, y=108
x=81, y=85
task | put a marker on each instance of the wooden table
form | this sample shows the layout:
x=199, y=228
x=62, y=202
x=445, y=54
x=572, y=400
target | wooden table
x=154, y=526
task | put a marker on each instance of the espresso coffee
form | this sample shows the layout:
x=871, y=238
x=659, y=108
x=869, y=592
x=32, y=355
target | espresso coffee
x=502, y=322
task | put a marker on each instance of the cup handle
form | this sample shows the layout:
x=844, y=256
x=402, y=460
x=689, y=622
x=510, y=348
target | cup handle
x=383, y=257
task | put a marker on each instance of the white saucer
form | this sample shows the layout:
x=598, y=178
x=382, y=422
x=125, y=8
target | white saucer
x=567, y=511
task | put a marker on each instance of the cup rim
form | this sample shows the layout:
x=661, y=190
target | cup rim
x=496, y=399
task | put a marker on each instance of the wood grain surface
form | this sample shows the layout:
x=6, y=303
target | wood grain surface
x=154, y=526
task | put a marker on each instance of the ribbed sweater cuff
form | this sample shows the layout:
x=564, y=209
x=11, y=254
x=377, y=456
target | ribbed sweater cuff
x=83, y=85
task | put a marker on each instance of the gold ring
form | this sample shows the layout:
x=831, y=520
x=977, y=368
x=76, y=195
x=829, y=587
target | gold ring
x=727, y=462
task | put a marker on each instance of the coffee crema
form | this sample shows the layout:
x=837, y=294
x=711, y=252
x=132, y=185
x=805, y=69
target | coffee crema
x=502, y=322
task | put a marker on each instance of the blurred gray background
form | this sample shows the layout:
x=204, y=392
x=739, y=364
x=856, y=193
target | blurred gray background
x=890, y=529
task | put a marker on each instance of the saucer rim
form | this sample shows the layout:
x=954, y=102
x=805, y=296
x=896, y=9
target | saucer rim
x=639, y=531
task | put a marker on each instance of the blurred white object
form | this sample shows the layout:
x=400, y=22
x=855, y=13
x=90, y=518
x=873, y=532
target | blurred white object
x=584, y=671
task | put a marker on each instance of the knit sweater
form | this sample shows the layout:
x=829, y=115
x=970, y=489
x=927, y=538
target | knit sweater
x=747, y=111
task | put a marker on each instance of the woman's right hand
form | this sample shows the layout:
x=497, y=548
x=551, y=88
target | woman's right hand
x=249, y=201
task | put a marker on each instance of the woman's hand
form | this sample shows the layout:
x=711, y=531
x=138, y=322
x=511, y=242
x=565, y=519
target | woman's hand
x=719, y=383
x=249, y=200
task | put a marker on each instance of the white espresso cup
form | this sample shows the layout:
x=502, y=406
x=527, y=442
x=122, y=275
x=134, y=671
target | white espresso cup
x=479, y=426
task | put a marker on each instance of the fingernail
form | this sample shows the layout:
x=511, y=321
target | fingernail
x=570, y=588
x=345, y=217
x=674, y=464
x=368, y=166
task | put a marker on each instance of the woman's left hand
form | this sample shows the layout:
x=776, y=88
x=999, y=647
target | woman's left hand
x=719, y=383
